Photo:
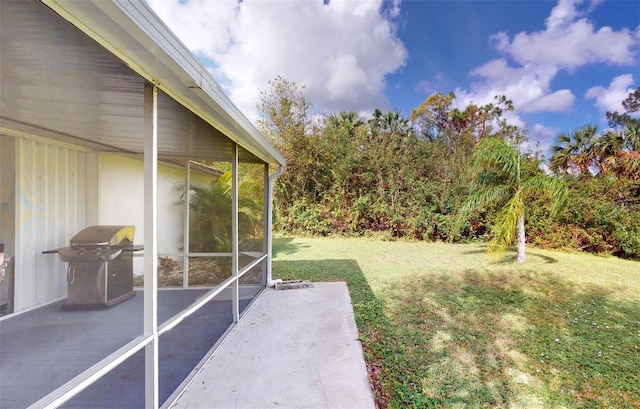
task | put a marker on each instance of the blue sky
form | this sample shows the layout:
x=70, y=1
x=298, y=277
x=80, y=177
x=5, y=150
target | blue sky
x=466, y=29
x=563, y=63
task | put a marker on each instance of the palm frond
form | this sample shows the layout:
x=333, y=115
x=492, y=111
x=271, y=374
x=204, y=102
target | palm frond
x=554, y=187
x=631, y=134
x=488, y=178
x=495, y=154
x=478, y=200
x=505, y=225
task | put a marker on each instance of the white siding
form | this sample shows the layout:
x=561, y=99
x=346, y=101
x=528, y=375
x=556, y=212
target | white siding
x=62, y=189
x=52, y=189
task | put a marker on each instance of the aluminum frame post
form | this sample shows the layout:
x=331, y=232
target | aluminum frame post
x=234, y=233
x=151, y=244
x=266, y=227
x=185, y=240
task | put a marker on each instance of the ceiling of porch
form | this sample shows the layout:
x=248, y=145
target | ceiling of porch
x=56, y=82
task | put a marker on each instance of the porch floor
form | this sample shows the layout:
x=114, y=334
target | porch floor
x=42, y=349
x=292, y=349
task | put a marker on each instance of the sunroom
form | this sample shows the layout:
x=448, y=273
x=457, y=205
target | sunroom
x=108, y=122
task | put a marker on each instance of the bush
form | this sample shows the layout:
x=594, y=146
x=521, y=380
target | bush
x=603, y=216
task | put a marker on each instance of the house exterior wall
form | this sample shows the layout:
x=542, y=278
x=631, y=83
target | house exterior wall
x=62, y=189
x=121, y=200
x=7, y=193
x=54, y=184
x=7, y=211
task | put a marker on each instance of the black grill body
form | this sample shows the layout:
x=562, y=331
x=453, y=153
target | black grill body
x=100, y=267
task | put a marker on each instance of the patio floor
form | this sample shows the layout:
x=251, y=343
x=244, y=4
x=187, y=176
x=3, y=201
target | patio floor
x=42, y=349
x=294, y=348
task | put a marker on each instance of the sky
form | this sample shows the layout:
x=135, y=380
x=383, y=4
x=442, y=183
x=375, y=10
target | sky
x=563, y=63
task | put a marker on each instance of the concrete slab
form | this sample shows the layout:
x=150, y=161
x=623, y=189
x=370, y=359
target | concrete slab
x=295, y=348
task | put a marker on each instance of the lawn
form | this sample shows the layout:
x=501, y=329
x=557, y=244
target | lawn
x=446, y=325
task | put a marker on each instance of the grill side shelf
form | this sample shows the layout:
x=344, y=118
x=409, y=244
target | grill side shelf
x=129, y=248
x=123, y=248
x=53, y=251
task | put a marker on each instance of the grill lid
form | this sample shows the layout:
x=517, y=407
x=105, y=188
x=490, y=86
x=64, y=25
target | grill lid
x=104, y=236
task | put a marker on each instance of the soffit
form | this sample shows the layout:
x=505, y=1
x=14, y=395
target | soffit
x=59, y=83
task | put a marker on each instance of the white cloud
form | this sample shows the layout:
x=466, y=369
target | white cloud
x=528, y=87
x=564, y=12
x=540, y=139
x=594, y=4
x=340, y=51
x=431, y=85
x=610, y=99
x=569, y=42
x=202, y=25
x=558, y=101
x=532, y=60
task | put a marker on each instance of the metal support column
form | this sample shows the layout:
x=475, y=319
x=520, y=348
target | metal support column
x=266, y=227
x=185, y=245
x=151, y=243
x=234, y=232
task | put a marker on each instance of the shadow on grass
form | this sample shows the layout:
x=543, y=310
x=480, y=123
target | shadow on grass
x=483, y=250
x=489, y=339
x=284, y=245
x=511, y=256
x=547, y=259
x=508, y=339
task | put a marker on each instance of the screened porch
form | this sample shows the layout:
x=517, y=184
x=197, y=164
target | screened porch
x=107, y=119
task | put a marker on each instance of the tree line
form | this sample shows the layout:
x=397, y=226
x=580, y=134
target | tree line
x=433, y=176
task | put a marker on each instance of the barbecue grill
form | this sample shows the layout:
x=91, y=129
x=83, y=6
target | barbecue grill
x=100, y=270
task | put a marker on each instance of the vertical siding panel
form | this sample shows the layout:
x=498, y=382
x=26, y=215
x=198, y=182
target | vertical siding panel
x=28, y=204
x=52, y=199
x=77, y=200
x=34, y=203
x=91, y=188
x=43, y=279
x=46, y=269
x=49, y=173
x=66, y=225
x=60, y=235
x=51, y=268
x=19, y=267
x=56, y=218
x=40, y=213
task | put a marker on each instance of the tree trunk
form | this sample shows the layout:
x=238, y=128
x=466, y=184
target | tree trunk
x=521, y=239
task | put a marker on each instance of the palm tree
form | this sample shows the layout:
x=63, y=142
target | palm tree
x=607, y=148
x=347, y=121
x=389, y=123
x=618, y=152
x=212, y=211
x=394, y=123
x=575, y=152
x=499, y=180
x=631, y=135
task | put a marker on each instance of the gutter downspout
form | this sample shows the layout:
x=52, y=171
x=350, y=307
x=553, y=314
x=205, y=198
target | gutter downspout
x=270, y=281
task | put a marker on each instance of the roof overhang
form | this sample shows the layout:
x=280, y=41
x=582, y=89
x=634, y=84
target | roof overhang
x=135, y=35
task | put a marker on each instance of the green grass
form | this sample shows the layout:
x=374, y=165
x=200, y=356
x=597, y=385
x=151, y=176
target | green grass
x=447, y=326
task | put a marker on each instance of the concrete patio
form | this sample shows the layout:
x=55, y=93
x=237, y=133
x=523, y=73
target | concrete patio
x=295, y=348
